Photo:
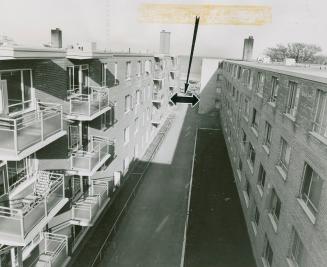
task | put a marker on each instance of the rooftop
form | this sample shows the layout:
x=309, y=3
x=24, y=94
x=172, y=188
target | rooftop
x=311, y=72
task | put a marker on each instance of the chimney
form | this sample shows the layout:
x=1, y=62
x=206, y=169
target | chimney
x=248, y=48
x=56, y=38
x=164, y=42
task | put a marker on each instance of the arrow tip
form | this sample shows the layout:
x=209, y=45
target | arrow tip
x=195, y=100
x=186, y=87
x=174, y=99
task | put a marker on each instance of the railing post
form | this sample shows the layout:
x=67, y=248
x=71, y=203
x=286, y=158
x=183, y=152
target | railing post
x=62, y=118
x=42, y=126
x=22, y=224
x=15, y=136
x=89, y=100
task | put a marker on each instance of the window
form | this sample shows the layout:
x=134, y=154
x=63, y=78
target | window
x=247, y=192
x=274, y=89
x=293, y=99
x=128, y=103
x=320, y=117
x=239, y=69
x=243, y=138
x=126, y=135
x=256, y=216
x=240, y=165
x=267, y=253
x=128, y=70
x=116, y=73
x=275, y=206
x=267, y=140
x=260, y=83
x=255, y=120
x=285, y=154
x=219, y=77
x=139, y=68
x=233, y=92
x=125, y=164
x=311, y=188
x=246, y=107
x=136, y=122
x=251, y=155
x=103, y=74
x=261, y=177
x=147, y=67
x=107, y=119
x=250, y=80
x=138, y=97
x=296, y=249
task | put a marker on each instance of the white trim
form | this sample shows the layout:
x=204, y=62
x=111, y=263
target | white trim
x=273, y=222
x=188, y=202
x=306, y=210
x=281, y=172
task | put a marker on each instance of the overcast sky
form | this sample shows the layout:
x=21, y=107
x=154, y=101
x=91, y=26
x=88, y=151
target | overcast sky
x=29, y=22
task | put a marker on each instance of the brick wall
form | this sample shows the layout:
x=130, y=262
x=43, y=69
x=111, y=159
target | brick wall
x=304, y=148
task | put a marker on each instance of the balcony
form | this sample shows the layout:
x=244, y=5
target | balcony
x=87, y=162
x=157, y=97
x=53, y=251
x=86, y=211
x=25, y=133
x=31, y=209
x=156, y=118
x=89, y=105
x=158, y=74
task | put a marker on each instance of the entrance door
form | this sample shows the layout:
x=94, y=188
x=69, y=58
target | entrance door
x=3, y=97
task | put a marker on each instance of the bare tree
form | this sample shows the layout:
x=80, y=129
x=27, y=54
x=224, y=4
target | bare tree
x=302, y=53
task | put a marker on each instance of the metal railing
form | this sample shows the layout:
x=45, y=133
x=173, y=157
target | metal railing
x=27, y=129
x=158, y=74
x=98, y=149
x=156, y=96
x=85, y=209
x=55, y=250
x=30, y=209
x=90, y=102
x=156, y=117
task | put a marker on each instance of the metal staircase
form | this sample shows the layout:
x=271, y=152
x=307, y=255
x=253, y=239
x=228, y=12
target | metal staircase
x=42, y=184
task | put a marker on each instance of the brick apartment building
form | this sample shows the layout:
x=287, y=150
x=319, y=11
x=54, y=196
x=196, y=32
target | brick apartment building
x=71, y=123
x=274, y=119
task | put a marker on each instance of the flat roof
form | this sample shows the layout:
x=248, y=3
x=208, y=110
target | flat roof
x=313, y=72
x=20, y=52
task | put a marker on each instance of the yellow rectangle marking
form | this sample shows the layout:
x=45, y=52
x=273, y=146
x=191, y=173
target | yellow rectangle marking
x=209, y=14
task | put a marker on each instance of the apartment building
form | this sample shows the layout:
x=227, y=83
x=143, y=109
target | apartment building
x=274, y=119
x=72, y=121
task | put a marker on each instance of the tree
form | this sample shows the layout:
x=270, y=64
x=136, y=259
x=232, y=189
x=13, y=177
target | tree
x=277, y=53
x=301, y=52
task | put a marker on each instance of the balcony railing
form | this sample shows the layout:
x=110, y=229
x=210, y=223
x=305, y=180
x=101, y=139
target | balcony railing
x=157, y=97
x=86, y=210
x=87, y=162
x=53, y=251
x=158, y=74
x=156, y=118
x=36, y=128
x=30, y=211
x=90, y=104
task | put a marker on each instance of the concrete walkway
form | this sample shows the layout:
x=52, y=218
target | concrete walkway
x=217, y=234
x=152, y=232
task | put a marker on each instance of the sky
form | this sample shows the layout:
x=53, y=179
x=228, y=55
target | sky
x=116, y=24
